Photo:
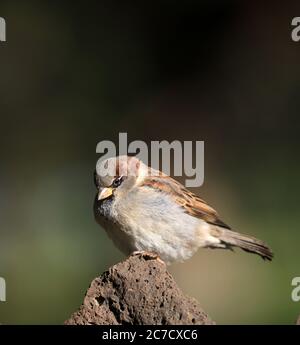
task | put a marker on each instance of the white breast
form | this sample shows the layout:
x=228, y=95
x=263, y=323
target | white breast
x=152, y=221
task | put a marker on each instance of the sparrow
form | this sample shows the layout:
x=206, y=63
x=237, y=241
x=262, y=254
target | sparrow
x=146, y=211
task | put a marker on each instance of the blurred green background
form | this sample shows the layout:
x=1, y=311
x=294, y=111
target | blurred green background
x=226, y=72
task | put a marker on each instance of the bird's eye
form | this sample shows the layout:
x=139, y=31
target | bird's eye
x=117, y=182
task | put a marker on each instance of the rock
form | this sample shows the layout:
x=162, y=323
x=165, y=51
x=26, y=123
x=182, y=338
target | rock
x=138, y=291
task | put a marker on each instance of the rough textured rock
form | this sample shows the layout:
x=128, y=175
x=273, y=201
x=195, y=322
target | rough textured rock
x=140, y=291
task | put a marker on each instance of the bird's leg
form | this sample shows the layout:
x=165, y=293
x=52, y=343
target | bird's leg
x=148, y=255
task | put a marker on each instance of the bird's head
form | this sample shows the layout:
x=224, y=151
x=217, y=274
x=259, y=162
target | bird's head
x=118, y=175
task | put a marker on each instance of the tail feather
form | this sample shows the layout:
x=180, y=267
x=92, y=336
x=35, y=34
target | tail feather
x=247, y=243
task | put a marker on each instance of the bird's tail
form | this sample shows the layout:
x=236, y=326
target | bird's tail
x=247, y=243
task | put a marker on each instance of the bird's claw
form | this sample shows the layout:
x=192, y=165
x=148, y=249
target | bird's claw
x=148, y=255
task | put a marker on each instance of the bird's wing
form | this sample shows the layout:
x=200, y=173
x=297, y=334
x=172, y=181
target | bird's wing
x=190, y=202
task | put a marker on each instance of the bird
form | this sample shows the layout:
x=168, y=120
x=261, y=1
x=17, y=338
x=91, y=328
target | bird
x=143, y=210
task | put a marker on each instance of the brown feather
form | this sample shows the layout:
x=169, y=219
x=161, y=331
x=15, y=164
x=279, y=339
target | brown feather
x=190, y=202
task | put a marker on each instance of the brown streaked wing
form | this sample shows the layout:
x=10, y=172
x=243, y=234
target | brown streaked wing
x=192, y=204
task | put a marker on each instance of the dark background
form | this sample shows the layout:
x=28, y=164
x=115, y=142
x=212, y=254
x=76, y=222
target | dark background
x=226, y=72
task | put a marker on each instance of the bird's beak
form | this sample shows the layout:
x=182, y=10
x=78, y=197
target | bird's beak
x=105, y=193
